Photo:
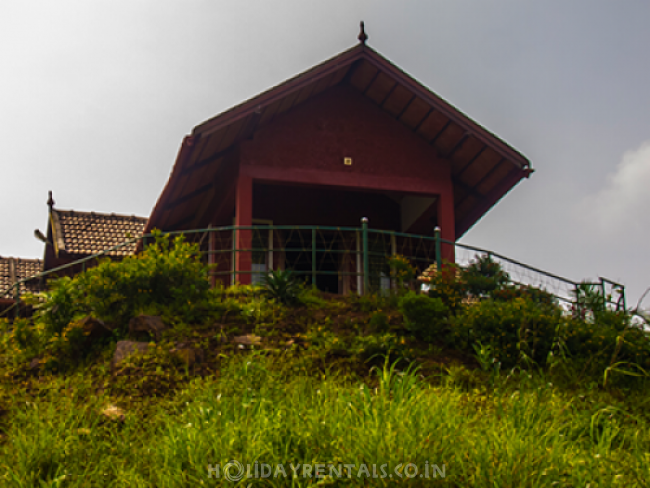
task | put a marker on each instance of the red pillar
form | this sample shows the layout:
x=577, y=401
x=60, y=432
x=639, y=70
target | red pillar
x=446, y=221
x=243, y=217
x=212, y=257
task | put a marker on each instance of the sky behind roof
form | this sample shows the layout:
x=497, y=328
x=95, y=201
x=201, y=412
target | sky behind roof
x=96, y=97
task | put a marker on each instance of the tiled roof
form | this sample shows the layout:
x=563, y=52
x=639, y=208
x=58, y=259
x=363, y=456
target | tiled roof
x=91, y=232
x=16, y=269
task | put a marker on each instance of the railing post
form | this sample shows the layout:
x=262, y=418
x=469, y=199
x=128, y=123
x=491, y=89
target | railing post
x=233, y=277
x=313, y=257
x=17, y=299
x=366, y=261
x=622, y=298
x=577, y=313
x=436, y=234
x=393, y=252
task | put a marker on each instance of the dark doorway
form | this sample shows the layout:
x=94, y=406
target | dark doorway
x=299, y=254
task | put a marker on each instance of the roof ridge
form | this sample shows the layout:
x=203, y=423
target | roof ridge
x=93, y=213
x=20, y=259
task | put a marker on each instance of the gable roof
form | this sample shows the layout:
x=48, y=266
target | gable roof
x=484, y=168
x=16, y=269
x=86, y=233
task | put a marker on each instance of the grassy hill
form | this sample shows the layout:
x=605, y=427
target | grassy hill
x=299, y=388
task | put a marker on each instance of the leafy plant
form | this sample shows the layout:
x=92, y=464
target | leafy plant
x=424, y=316
x=509, y=328
x=537, y=295
x=284, y=286
x=401, y=271
x=58, y=306
x=379, y=322
x=449, y=285
x=484, y=275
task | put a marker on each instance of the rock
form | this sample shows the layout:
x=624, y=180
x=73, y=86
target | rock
x=248, y=340
x=94, y=328
x=147, y=323
x=124, y=349
x=35, y=365
x=111, y=412
x=186, y=355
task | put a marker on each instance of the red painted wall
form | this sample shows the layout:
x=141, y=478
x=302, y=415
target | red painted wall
x=343, y=123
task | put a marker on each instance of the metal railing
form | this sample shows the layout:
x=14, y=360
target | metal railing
x=335, y=259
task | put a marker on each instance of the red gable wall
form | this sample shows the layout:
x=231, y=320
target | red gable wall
x=308, y=145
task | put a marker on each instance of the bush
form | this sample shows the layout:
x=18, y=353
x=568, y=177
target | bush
x=167, y=278
x=56, y=308
x=484, y=276
x=167, y=275
x=379, y=322
x=283, y=286
x=611, y=339
x=449, y=286
x=509, y=328
x=539, y=296
x=401, y=271
x=424, y=316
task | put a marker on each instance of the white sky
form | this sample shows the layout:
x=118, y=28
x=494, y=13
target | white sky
x=96, y=96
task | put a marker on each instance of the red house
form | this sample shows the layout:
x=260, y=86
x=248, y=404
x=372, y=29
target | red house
x=350, y=138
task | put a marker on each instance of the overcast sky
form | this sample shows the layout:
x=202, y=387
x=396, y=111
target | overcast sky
x=96, y=96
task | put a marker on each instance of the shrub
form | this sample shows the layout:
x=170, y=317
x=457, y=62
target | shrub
x=424, y=316
x=367, y=348
x=401, y=270
x=537, y=295
x=484, y=276
x=449, y=286
x=58, y=306
x=379, y=322
x=509, y=328
x=166, y=275
x=166, y=278
x=283, y=286
x=611, y=339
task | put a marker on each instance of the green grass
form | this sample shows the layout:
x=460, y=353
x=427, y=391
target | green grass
x=338, y=382
x=526, y=433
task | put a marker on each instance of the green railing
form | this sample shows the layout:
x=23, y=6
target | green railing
x=334, y=259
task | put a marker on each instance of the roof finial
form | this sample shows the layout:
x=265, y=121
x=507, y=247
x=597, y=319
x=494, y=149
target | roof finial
x=50, y=200
x=363, y=37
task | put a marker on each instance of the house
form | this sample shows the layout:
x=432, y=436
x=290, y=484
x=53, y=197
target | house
x=353, y=137
x=73, y=235
x=12, y=271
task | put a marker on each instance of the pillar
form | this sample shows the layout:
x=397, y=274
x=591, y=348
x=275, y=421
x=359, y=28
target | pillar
x=243, y=217
x=446, y=221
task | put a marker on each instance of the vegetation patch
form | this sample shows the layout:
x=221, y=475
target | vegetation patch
x=498, y=384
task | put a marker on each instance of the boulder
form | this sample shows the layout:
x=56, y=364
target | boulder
x=111, y=412
x=248, y=340
x=147, y=323
x=35, y=365
x=186, y=355
x=125, y=349
x=94, y=327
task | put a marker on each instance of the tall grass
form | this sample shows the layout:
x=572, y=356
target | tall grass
x=531, y=435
